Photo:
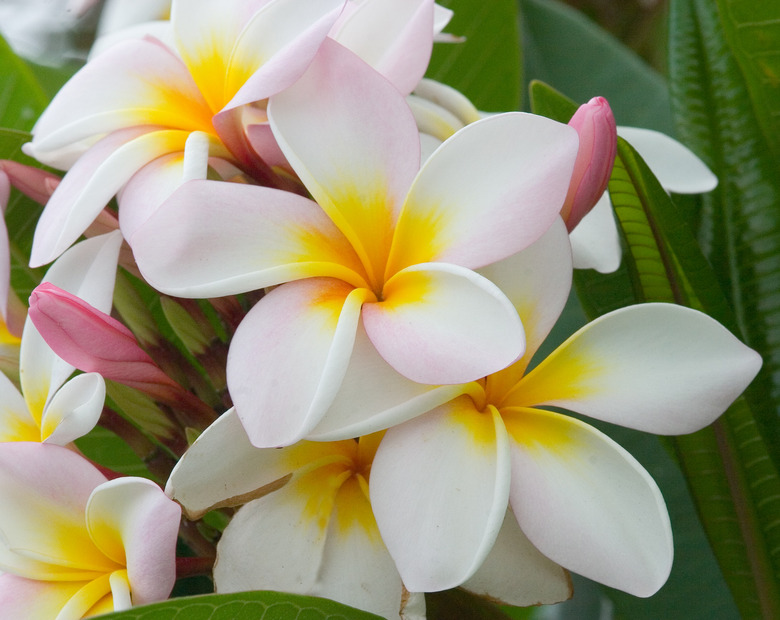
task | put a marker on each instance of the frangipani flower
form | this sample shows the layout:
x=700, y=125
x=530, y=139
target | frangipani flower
x=389, y=247
x=308, y=526
x=49, y=407
x=441, y=481
x=74, y=544
x=141, y=104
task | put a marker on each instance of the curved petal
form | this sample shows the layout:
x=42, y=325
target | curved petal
x=276, y=47
x=440, y=323
x=212, y=238
x=517, y=573
x=148, y=188
x=272, y=543
x=16, y=423
x=351, y=138
x=74, y=409
x=660, y=368
x=136, y=82
x=439, y=489
x=222, y=467
x=373, y=396
x=287, y=358
x=92, y=182
x=87, y=270
x=395, y=37
x=135, y=524
x=676, y=167
x=595, y=242
x=489, y=191
x=586, y=503
x=30, y=598
x=45, y=490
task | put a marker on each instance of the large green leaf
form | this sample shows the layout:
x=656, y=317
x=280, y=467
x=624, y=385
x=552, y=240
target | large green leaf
x=21, y=97
x=244, y=606
x=486, y=66
x=566, y=50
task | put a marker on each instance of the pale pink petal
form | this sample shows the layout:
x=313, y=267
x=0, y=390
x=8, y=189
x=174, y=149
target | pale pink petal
x=212, y=238
x=516, y=573
x=352, y=140
x=288, y=357
x=74, y=410
x=134, y=523
x=87, y=270
x=276, y=46
x=537, y=281
x=660, y=368
x=587, y=504
x=373, y=396
x=676, y=167
x=92, y=182
x=489, y=191
x=395, y=37
x=439, y=489
x=45, y=490
x=262, y=140
x=222, y=466
x=440, y=323
x=595, y=242
x=136, y=82
x=29, y=598
x=120, y=15
x=272, y=543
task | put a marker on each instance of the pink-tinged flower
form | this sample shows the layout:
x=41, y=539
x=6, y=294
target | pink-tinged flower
x=596, y=128
x=388, y=246
x=441, y=481
x=51, y=408
x=307, y=525
x=75, y=544
x=143, y=106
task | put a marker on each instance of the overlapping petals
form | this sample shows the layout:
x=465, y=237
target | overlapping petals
x=75, y=544
x=398, y=244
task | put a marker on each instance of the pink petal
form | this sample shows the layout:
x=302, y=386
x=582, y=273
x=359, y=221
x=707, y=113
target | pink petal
x=288, y=357
x=489, y=191
x=440, y=323
x=352, y=140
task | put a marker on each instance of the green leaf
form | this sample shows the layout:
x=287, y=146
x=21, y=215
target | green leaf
x=21, y=97
x=105, y=448
x=752, y=30
x=244, y=606
x=486, y=66
x=569, y=52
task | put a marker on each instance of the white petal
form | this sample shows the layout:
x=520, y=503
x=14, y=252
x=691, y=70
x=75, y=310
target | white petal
x=595, y=241
x=74, y=409
x=676, y=167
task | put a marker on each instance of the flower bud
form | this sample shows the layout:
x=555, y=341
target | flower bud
x=595, y=125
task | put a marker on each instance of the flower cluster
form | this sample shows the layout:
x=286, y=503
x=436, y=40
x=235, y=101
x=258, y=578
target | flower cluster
x=383, y=262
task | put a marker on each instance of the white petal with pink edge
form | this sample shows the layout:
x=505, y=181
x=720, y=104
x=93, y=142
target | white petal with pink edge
x=676, y=167
x=595, y=241
x=135, y=83
x=352, y=140
x=439, y=323
x=223, y=466
x=373, y=396
x=289, y=355
x=396, y=38
x=489, y=191
x=91, y=184
x=133, y=522
x=517, y=573
x=586, y=503
x=212, y=238
x=29, y=598
x=74, y=410
x=439, y=490
x=660, y=368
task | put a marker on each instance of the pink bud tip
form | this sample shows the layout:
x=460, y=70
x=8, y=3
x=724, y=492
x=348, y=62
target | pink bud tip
x=596, y=127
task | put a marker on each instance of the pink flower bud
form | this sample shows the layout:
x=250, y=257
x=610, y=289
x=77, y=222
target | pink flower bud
x=33, y=182
x=596, y=127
